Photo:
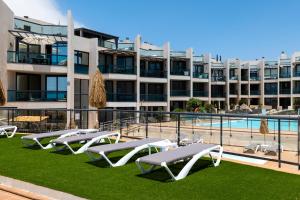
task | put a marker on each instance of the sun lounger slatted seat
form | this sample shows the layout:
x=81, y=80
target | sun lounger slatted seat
x=88, y=140
x=191, y=152
x=8, y=130
x=136, y=147
x=272, y=149
x=253, y=147
x=37, y=138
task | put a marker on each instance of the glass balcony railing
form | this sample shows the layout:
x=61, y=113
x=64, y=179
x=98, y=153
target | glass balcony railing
x=296, y=73
x=285, y=91
x=152, y=53
x=271, y=77
x=153, y=97
x=284, y=75
x=41, y=29
x=254, y=92
x=178, y=54
x=81, y=69
x=183, y=93
x=254, y=78
x=183, y=72
x=200, y=75
x=154, y=73
x=198, y=58
x=296, y=90
x=271, y=92
x=285, y=62
x=107, y=44
x=121, y=97
x=272, y=64
x=217, y=95
x=233, y=78
x=218, y=78
x=114, y=69
x=197, y=93
x=297, y=59
x=36, y=58
x=36, y=95
x=126, y=46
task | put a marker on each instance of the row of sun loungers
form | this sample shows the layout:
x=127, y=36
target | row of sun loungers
x=271, y=149
x=88, y=138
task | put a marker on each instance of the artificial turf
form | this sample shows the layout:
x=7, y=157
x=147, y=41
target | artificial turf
x=76, y=175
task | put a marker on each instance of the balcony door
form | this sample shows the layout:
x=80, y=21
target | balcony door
x=28, y=87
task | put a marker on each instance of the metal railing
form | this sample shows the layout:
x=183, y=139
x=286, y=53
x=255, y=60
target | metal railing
x=34, y=95
x=280, y=143
x=36, y=58
x=218, y=78
x=182, y=72
x=253, y=78
x=284, y=75
x=271, y=92
x=115, y=69
x=233, y=77
x=200, y=93
x=217, y=94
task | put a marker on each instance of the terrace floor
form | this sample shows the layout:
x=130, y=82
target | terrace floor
x=75, y=174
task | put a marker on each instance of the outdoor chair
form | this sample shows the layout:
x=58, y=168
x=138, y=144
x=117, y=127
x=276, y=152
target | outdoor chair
x=8, y=130
x=99, y=152
x=36, y=139
x=86, y=139
x=191, y=153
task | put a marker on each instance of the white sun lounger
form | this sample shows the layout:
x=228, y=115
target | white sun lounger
x=30, y=140
x=104, y=150
x=86, y=139
x=8, y=130
x=253, y=147
x=191, y=152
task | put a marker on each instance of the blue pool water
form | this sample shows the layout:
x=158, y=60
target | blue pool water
x=255, y=124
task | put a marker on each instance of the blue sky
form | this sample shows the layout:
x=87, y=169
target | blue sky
x=232, y=28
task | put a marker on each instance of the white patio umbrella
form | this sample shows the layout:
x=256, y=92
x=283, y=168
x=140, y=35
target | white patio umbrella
x=38, y=39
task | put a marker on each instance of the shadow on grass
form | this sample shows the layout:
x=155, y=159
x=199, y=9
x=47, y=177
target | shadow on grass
x=162, y=175
x=103, y=163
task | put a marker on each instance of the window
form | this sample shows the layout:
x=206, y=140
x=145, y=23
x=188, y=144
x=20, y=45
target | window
x=125, y=61
x=81, y=58
x=56, y=88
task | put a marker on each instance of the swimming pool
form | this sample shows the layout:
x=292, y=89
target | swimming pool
x=285, y=125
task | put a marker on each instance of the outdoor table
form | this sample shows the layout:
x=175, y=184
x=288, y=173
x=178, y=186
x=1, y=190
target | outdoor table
x=162, y=145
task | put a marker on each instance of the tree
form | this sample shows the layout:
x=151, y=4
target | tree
x=192, y=104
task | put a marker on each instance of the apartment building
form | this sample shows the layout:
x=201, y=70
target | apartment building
x=138, y=75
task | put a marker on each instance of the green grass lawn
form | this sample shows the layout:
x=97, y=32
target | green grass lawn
x=76, y=175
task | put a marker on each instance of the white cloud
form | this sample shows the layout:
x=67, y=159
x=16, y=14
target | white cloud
x=45, y=10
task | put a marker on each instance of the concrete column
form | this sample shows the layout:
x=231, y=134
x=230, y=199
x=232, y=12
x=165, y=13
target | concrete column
x=189, y=54
x=207, y=59
x=262, y=82
x=70, y=73
x=166, y=49
x=227, y=84
x=137, y=46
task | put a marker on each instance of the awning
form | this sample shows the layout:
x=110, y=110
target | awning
x=25, y=34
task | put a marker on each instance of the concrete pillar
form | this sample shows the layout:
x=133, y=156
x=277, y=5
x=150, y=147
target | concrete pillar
x=166, y=49
x=189, y=54
x=137, y=47
x=70, y=73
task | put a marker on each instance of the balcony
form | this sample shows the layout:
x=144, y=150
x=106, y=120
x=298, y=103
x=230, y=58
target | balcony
x=244, y=92
x=296, y=73
x=34, y=95
x=153, y=97
x=218, y=78
x=181, y=93
x=254, y=92
x=234, y=77
x=200, y=75
x=153, y=73
x=114, y=69
x=36, y=58
x=200, y=93
x=233, y=92
x=152, y=53
x=121, y=97
x=271, y=77
x=182, y=72
x=285, y=91
x=285, y=62
x=198, y=58
x=254, y=78
x=271, y=92
x=297, y=59
x=126, y=46
x=180, y=54
x=81, y=69
x=284, y=75
x=217, y=95
x=296, y=90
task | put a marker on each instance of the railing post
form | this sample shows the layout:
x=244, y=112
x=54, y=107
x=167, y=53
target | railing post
x=120, y=121
x=147, y=125
x=279, y=144
x=221, y=130
x=178, y=129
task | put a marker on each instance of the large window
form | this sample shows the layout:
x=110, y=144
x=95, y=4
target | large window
x=56, y=88
x=59, y=53
x=81, y=61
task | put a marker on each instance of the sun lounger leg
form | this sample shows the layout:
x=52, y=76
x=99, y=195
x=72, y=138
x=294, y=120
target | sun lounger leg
x=143, y=170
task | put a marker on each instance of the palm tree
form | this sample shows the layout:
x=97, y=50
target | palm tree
x=2, y=95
